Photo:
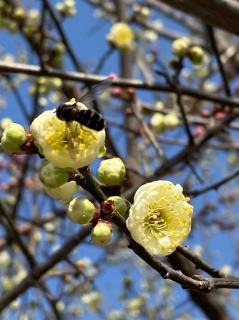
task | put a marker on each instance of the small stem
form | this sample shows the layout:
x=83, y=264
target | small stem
x=91, y=185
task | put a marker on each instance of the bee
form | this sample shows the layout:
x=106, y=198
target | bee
x=87, y=117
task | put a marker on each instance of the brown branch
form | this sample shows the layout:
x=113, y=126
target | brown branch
x=214, y=186
x=210, y=304
x=16, y=236
x=51, y=300
x=199, y=263
x=39, y=270
x=203, y=284
x=34, y=70
x=64, y=38
x=211, y=12
x=185, y=153
x=214, y=46
x=146, y=130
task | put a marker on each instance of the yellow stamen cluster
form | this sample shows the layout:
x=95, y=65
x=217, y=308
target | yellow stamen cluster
x=154, y=221
x=72, y=136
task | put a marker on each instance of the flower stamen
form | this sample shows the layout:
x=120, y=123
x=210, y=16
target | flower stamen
x=154, y=222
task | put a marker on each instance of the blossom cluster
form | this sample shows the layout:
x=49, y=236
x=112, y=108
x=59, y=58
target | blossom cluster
x=160, y=217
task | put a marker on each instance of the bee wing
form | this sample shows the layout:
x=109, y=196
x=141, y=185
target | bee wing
x=90, y=96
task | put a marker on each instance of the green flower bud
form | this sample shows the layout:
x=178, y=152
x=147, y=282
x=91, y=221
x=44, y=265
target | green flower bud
x=157, y=122
x=19, y=13
x=81, y=210
x=64, y=193
x=180, y=46
x=120, y=203
x=101, y=234
x=196, y=55
x=5, y=122
x=112, y=171
x=52, y=176
x=171, y=121
x=13, y=138
x=159, y=105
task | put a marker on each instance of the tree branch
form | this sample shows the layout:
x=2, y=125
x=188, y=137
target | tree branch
x=211, y=12
x=34, y=70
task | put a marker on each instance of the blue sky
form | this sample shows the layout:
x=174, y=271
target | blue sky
x=89, y=48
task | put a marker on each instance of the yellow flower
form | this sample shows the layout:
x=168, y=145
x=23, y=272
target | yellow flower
x=160, y=218
x=64, y=144
x=121, y=35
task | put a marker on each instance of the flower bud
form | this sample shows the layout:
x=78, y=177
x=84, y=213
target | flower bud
x=81, y=210
x=196, y=55
x=52, y=176
x=101, y=234
x=112, y=171
x=180, y=46
x=120, y=203
x=157, y=122
x=19, y=13
x=13, y=138
x=5, y=122
x=141, y=12
x=159, y=105
x=63, y=193
x=121, y=36
x=171, y=121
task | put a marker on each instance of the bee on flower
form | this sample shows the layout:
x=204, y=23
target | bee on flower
x=66, y=145
x=160, y=217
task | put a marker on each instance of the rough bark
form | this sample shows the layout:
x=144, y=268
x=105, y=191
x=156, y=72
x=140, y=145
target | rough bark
x=220, y=13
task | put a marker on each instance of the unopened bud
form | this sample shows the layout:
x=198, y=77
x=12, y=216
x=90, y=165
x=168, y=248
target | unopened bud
x=5, y=122
x=81, y=210
x=52, y=176
x=112, y=171
x=19, y=13
x=120, y=204
x=171, y=121
x=180, y=46
x=157, y=122
x=13, y=138
x=196, y=55
x=101, y=234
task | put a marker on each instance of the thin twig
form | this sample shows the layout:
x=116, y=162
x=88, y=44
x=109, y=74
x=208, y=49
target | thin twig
x=17, y=238
x=213, y=42
x=64, y=38
x=214, y=186
x=35, y=70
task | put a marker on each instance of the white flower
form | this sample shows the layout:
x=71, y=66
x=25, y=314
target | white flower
x=66, y=144
x=160, y=218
